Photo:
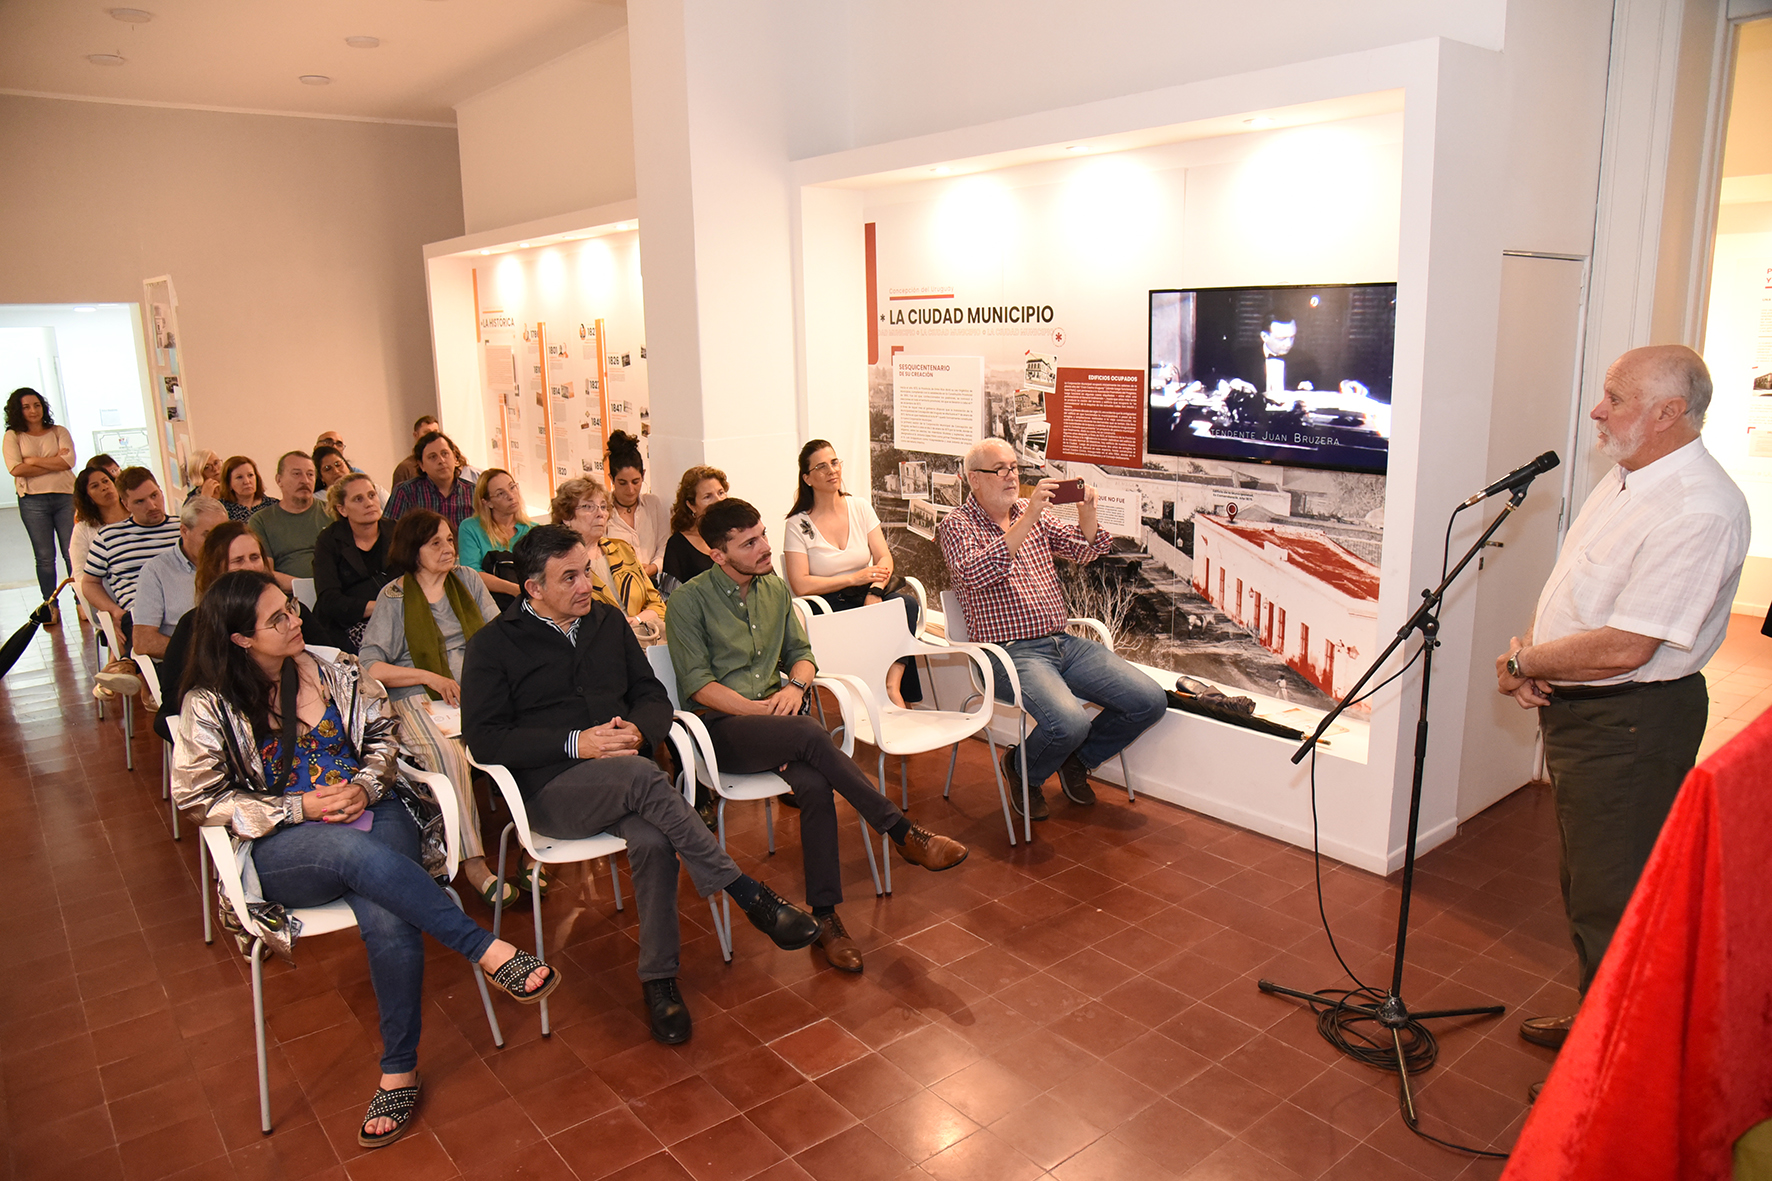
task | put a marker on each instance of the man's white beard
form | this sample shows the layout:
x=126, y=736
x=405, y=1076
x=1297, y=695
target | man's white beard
x=1618, y=446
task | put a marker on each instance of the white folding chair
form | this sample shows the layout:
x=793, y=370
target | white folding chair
x=304, y=592
x=320, y=920
x=150, y=675
x=108, y=629
x=701, y=765
x=97, y=634
x=956, y=631
x=543, y=850
x=203, y=870
x=857, y=648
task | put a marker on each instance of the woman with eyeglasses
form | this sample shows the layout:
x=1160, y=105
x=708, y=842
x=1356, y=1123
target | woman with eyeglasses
x=414, y=646
x=836, y=549
x=497, y=523
x=617, y=575
x=285, y=750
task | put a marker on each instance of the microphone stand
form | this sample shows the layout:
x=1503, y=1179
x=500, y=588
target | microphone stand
x=1392, y=1013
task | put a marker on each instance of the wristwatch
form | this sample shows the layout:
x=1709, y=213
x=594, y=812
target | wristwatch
x=1513, y=666
x=802, y=686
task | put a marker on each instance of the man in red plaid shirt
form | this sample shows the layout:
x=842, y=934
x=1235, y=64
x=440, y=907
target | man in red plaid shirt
x=999, y=550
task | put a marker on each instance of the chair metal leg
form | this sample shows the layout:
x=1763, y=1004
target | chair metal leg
x=535, y=904
x=952, y=759
x=205, y=895
x=258, y=1030
x=498, y=901
x=722, y=911
x=127, y=706
x=498, y=1037
x=1127, y=776
x=769, y=823
x=166, y=786
x=1002, y=792
x=879, y=782
x=867, y=842
x=904, y=786
x=1027, y=813
x=615, y=881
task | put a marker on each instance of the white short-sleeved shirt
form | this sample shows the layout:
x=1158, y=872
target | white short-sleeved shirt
x=824, y=559
x=649, y=532
x=1657, y=551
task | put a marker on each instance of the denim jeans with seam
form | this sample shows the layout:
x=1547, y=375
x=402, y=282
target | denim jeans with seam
x=396, y=902
x=1060, y=674
x=48, y=518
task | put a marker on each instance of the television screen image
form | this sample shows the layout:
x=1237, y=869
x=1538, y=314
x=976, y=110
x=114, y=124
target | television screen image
x=1293, y=375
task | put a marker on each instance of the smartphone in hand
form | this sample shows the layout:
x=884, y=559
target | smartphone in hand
x=1068, y=492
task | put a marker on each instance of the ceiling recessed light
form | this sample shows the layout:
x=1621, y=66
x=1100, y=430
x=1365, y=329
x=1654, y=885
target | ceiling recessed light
x=1259, y=121
x=133, y=16
x=314, y=80
x=523, y=246
x=362, y=42
x=105, y=59
x=486, y=252
x=1078, y=148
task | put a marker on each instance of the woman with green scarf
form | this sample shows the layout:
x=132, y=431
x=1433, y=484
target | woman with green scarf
x=417, y=655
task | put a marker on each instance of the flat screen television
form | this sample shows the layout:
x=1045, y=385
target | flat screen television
x=1292, y=375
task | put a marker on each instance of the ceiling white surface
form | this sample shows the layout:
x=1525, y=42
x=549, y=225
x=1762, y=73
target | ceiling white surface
x=248, y=54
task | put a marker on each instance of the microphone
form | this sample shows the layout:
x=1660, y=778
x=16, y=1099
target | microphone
x=1516, y=478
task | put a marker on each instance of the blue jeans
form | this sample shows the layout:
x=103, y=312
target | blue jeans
x=1059, y=674
x=48, y=518
x=396, y=903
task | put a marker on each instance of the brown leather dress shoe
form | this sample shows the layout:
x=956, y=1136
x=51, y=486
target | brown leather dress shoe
x=834, y=941
x=922, y=847
x=1549, y=1032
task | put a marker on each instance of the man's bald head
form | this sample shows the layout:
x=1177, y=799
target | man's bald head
x=988, y=453
x=1666, y=371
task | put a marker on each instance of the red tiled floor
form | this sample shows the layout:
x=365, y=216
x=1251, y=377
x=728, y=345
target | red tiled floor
x=1084, y=1006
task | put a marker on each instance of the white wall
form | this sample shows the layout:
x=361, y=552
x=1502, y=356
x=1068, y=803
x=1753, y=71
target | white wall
x=555, y=139
x=294, y=244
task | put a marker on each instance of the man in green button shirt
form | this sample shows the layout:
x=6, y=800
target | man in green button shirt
x=733, y=634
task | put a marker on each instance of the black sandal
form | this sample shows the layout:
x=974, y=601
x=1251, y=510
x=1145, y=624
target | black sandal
x=516, y=971
x=397, y=1105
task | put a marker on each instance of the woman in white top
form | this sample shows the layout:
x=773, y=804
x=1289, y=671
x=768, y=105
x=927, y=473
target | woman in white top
x=836, y=549
x=40, y=456
x=636, y=517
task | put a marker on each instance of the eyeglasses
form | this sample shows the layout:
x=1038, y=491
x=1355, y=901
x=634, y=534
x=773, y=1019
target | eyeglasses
x=285, y=620
x=593, y=506
x=833, y=465
x=1001, y=470
x=333, y=441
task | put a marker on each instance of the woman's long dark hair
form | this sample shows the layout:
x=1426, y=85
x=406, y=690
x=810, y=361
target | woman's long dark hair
x=321, y=452
x=15, y=409
x=622, y=452
x=85, y=507
x=228, y=608
x=803, y=495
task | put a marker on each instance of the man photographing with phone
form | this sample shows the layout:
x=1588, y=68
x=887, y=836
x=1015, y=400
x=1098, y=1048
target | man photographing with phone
x=999, y=549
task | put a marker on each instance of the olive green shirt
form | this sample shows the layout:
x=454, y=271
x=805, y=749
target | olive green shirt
x=743, y=643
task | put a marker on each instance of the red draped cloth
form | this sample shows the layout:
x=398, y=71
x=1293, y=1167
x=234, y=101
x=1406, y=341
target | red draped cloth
x=1670, y=1059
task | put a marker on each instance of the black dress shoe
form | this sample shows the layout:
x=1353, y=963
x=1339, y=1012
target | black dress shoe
x=670, y=1016
x=1012, y=780
x=790, y=927
x=1073, y=777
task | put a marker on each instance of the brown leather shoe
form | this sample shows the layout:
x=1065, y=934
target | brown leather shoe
x=1549, y=1032
x=834, y=941
x=922, y=847
x=1533, y=1091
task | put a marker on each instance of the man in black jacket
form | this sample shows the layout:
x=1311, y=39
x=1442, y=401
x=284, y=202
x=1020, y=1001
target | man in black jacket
x=558, y=690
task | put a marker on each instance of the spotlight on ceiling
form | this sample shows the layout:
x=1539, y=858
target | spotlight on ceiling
x=362, y=42
x=105, y=59
x=131, y=16
x=314, y=80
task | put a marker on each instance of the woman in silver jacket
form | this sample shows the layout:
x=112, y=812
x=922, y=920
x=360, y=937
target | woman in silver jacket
x=281, y=747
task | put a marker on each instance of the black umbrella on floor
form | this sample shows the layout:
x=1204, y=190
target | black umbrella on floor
x=21, y=639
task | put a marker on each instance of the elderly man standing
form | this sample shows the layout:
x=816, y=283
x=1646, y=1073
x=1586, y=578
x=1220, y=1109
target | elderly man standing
x=167, y=586
x=999, y=549
x=289, y=528
x=1637, y=603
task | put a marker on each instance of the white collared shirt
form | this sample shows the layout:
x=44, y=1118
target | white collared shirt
x=1657, y=551
x=649, y=532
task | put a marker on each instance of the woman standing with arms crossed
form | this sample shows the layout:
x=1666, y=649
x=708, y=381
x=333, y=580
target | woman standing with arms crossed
x=40, y=456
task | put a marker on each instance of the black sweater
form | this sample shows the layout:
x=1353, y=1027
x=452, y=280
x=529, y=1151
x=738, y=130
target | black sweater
x=525, y=687
x=347, y=579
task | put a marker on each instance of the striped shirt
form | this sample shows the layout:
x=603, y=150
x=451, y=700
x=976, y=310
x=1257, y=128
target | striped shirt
x=120, y=551
x=1008, y=598
x=421, y=493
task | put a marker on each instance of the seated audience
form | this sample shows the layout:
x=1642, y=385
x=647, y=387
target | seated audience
x=999, y=549
x=118, y=553
x=407, y=468
x=636, y=517
x=106, y=464
x=558, y=690
x=439, y=486
x=835, y=549
x=167, y=588
x=229, y=546
x=97, y=503
x=497, y=523
x=686, y=554
x=243, y=491
x=734, y=635
x=290, y=526
x=330, y=467
x=616, y=574
x=333, y=440
x=281, y=748
x=417, y=654
x=351, y=559
x=203, y=474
